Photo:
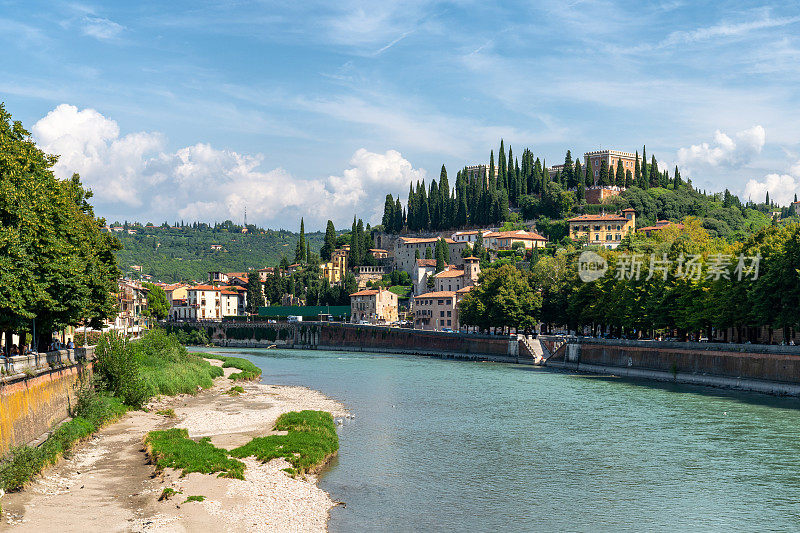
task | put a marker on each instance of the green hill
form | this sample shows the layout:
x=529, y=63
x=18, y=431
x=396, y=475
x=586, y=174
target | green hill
x=172, y=254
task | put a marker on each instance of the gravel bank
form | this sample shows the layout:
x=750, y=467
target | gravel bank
x=108, y=477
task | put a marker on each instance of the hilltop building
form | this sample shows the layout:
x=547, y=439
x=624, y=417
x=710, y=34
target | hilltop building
x=603, y=230
x=406, y=249
x=454, y=279
x=594, y=160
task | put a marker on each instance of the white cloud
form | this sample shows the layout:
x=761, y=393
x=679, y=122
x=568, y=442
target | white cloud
x=724, y=151
x=781, y=188
x=726, y=29
x=134, y=176
x=100, y=28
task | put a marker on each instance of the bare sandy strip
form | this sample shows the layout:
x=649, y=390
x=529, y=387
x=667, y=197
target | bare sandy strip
x=108, y=485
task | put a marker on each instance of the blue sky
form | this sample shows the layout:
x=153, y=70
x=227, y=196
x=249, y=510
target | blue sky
x=199, y=110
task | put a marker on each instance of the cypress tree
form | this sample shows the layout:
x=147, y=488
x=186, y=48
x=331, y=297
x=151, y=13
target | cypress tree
x=398, y=216
x=566, y=172
x=580, y=191
x=428, y=253
x=645, y=169
x=434, y=199
x=619, y=177
x=411, y=215
x=628, y=178
x=655, y=178
x=302, y=242
x=490, y=177
x=445, y=201
x=677, y=179
x=388, y=214
x=424, y=222
x=767, y=199
x=604, y=180
x=637, y=171
x=355, y=243
x=501, y=167
x=440, y=261
x=329, y=245
x=577, y=174
x=588, y=177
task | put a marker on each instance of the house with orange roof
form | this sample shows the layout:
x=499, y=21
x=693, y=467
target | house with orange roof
x=374, y=306
x=505, y=240
x=659, y=225
x=454, y=279
x=436, y=311
x=606, y=230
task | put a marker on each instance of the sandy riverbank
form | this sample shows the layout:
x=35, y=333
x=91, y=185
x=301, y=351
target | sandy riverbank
x=108, y=485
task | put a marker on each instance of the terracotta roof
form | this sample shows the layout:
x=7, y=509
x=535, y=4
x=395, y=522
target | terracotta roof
x=226, y=291
x=204, y=288
x=454, y=273
x=366, y=292
x=465, y=289
x=472, y=257
x=236, y=275
x=440, y=294
x=598, y=218
x=426, y=262
x=521, y=235
x=661, y=226
x=378, y=250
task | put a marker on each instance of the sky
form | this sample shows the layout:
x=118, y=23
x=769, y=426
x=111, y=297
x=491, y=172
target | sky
x=201, y=110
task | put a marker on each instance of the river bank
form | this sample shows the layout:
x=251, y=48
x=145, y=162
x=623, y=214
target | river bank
x=108, y=484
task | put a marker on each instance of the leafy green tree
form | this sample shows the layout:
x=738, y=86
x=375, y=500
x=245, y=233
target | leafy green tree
x=504, y=298
x=157, y=305
x=388, y=214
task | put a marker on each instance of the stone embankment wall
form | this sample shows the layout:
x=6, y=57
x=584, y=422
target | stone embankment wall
x=37, y=391
x=338, y=336
x=762, y=368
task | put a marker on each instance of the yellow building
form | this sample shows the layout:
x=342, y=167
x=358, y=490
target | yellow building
x=335, y=270
x=603, y=230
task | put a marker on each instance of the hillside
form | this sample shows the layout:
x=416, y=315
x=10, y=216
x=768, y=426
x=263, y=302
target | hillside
x=185, y=253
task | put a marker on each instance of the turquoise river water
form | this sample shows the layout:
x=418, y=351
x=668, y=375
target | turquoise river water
x=440, y=445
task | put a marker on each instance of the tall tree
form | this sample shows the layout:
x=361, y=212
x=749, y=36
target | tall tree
x=655, y=175
x=566, y=172
x=300, y=250
x=637, y=170
x=619, y=176
x=388, y=214
x=255, y=292
x=329, y=245
x=604, y=179
x=645, y=169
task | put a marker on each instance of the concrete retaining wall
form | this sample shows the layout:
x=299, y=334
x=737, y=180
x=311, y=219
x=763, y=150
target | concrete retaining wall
x=38, y=391
x=761, y=368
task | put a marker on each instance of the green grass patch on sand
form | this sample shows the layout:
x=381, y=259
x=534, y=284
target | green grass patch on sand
x=236, y=390
x=249, y=371
x=92, y=411
x=172, y=448
x=169, y=413
x=311, y=440
x=195, y=499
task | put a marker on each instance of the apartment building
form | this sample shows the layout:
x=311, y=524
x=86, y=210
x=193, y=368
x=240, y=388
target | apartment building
x=603, y=230
x=436, y=311
x=469, y=237
x=375, y=306
x=480, y=171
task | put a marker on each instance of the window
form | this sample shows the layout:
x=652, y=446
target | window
x=618, y=238
x=608, y=237
x=448, y=322
x=597, y=236
x=441, y=314
x=449, y=313
x=441, y=302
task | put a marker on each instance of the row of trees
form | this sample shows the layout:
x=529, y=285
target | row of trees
x=57, y=268
x=484, y=196
x=729, y=289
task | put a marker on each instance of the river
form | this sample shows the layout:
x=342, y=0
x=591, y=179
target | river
x=440, y=445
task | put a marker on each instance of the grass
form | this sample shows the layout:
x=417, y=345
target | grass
x=92, y=412
x=168, y=493
x=172, y=448
x=156, y=364
x=169, y=413
x=195, y=499
x=236, y=390
x=311, y=440
x=403, y=291
x=249, y=371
